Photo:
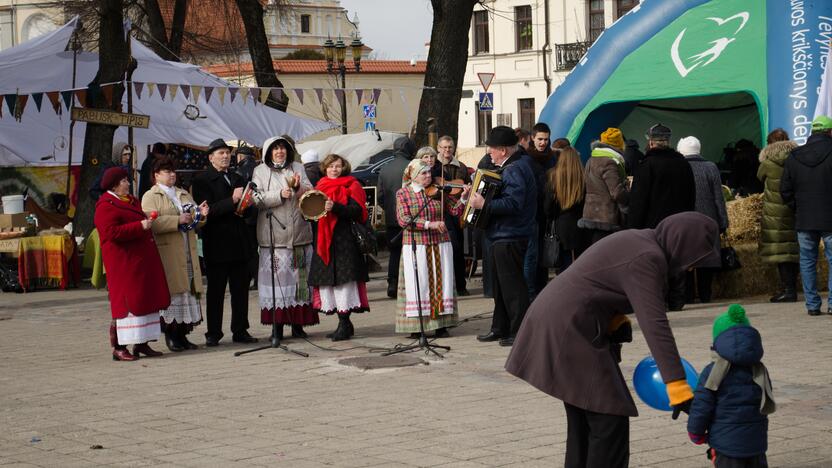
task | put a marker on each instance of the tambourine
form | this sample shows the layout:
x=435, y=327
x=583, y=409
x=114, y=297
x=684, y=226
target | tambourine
x=312, y=205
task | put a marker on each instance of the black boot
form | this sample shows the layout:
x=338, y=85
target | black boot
x=343, y=331
x=788, y=283
x=183, y=339
x=278, y=331
x=297, y=332
x=172, y=338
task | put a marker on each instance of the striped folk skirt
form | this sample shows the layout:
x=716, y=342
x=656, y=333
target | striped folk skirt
x=138, y=329
x=436, y=287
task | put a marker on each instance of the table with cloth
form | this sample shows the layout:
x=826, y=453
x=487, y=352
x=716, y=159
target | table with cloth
x=49, y=261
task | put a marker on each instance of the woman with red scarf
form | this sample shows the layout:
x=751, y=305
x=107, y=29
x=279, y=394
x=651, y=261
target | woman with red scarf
x=338, y=273
x=135, y=275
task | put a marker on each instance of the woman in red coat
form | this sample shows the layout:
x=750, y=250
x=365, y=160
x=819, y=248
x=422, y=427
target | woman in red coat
x=135, y=276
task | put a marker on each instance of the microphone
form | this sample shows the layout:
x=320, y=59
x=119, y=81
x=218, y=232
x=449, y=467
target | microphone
x=271, y=214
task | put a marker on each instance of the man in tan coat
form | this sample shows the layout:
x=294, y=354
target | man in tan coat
x=569, y=343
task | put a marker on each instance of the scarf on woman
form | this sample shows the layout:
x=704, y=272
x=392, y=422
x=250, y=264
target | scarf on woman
x=339, y=191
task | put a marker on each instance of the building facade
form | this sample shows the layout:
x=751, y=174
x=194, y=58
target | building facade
x=24, y=20
x=529, y=47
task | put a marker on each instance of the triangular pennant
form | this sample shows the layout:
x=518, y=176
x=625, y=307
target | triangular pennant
x=150, y=88
x=244, y=94
x=277, y=94
x=21, y=105
x=376, y=94
x=320, y=93
x=54, y=98
x=359, y=93
x=163, y=90
x=339, y=93
x=67, y=97
x=233, y=92
x=221, y=92
x=255, y=94
x=264, y=95
x=138, y=86
x=208, y=91
x=81, y=95
x=38, y=98
x=299, y=94
x=195, y=90
x=107, y=91
x=186, y=91
x=173, y=89
x=11, y=101
x=93, y=93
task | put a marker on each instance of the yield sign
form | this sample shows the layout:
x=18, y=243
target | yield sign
x=485, y=80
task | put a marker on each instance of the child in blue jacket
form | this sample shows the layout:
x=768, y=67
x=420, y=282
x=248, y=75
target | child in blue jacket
x=733, y=398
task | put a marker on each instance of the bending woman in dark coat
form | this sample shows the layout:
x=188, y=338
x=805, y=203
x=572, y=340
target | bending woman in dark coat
x=569, y=343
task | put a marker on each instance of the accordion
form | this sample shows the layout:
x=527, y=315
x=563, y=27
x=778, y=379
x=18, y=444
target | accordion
x=487, y=184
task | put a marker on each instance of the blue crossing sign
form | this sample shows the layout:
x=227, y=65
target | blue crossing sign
x=486, y=101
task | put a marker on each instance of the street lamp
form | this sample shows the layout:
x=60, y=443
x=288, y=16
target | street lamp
x=335, y=54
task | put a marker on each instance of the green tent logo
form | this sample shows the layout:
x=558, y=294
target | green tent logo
x=703, y=59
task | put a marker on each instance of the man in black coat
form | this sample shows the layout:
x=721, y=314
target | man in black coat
x=663, y=185
x=389, y=182
x=226, y=246
x=806, y=188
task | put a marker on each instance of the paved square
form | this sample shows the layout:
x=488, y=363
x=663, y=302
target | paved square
x=62, y=397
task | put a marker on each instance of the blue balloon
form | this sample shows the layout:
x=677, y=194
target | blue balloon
x=651, y=388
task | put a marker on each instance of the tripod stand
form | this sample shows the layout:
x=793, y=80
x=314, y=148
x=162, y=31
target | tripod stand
x=423, y=342
x=275, y=341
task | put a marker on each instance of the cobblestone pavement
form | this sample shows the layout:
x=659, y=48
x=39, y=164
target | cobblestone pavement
x=64, y=402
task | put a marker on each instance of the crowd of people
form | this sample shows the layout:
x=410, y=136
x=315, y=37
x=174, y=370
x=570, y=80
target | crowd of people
x=633, y=233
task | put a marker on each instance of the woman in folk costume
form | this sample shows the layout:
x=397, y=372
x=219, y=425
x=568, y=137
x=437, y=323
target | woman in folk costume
x=339, y=271
x=434, y=256
x=173, y=231
x=135, y=276
x=280, y=182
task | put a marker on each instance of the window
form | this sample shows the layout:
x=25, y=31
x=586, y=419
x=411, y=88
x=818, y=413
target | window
x=304, y=23
x=483, y=124
x=596, y=19
x=523, y=27
x=525, y=109
x=480, y=32
x=623, y=6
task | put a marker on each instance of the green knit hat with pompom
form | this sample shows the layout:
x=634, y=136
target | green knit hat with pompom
x=735, y=316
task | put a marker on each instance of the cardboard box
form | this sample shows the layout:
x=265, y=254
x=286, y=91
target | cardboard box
x=8, y=221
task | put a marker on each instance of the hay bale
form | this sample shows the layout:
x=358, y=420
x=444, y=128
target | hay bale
x=744, y=219
x=755, y=277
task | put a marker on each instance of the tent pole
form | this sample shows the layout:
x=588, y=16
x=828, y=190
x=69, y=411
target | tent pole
x=75, y=47
x=128, y=84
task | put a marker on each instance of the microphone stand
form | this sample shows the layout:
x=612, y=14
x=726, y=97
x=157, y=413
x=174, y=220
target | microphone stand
x=275, y=341
x=423, y=342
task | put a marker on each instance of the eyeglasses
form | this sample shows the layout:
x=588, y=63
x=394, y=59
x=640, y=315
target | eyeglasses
x=446, y=147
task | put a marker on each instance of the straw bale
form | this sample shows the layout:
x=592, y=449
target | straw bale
x=756, y=278
x=744, y=218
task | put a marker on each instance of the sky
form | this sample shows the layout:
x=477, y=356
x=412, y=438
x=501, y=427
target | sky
x=395, y=29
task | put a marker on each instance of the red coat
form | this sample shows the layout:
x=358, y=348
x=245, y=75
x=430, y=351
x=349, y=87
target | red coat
x=135, y=276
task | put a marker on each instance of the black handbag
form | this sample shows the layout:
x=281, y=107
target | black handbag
x=551, y=247
x=729, y=257
x=365, y=238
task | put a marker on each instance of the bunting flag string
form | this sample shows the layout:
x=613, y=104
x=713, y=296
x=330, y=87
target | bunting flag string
x=244, y=94
x=38, y=98
x=163, y=89
x=376, y=94
x=138, y=86
x=81, y=96
x=359, y=93
x=11, y=101
x=186, y=91
x=173, y=90
x=195, y=91
x=208, y=91
x=299, y=94
x=54, y=99
x=150, y=88
x=221, y=93
x=320, y=93
x=264, y=95
x=107, y=91
x=255, y=93
x=67, y=97
x=20, y=105
x=233, y=92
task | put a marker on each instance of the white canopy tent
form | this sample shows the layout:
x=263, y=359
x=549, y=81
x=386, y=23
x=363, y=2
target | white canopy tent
x=42, y=138
x=357, y=148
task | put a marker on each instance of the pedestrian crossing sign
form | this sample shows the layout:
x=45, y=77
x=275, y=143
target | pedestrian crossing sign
x=486, y=101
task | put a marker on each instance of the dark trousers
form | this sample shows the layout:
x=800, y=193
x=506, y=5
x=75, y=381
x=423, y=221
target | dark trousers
x=458, y=244
x=698, y=282
x=511, y=294
x=595, y=440
x=723, y=461
x=395, y=246
x=487, y=269
x=235, y=274
x=788, y=276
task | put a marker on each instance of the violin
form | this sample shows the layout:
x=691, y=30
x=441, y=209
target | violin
x=451, y=187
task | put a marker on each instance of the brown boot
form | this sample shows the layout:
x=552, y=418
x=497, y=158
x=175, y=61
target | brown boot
x=121, y=354
x=145, y=349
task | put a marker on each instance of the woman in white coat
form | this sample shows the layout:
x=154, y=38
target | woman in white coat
x=280, y=183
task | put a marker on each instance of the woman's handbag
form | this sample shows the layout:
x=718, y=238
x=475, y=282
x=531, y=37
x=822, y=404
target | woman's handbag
x=365, y=238
x=551, y=247
x=729, y=257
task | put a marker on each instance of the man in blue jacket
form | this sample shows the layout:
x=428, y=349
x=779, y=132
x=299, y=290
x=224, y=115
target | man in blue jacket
x=511, y=215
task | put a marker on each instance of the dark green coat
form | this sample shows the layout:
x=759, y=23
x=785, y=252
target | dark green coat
x=778, y=240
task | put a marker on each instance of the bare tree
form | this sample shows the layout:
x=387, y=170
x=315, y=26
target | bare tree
x=251, y=12
x=169, y=48
x=446, y=67
x=113, y=62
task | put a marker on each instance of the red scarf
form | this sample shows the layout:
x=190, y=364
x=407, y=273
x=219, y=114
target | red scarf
x=338, y=190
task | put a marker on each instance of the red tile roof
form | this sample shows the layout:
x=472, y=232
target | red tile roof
x=319, y=66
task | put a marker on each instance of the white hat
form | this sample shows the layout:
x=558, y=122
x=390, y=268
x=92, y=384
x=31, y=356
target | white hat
x=309, y=156
x=689, y=146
